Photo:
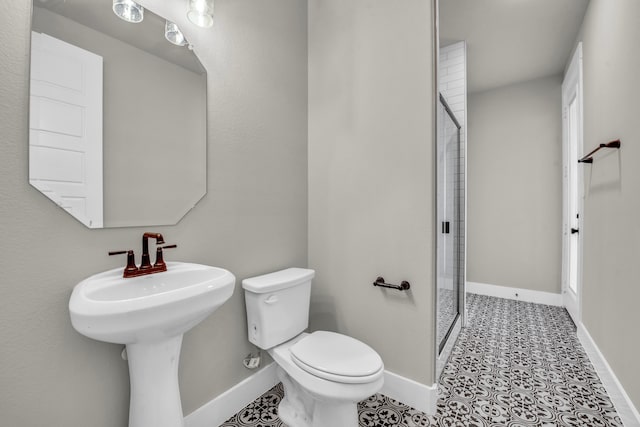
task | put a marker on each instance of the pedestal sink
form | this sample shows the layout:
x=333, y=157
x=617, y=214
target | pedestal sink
x=149, y=314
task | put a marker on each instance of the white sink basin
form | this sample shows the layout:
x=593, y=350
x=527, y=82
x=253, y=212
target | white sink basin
x=107, y=307
x=150, y=314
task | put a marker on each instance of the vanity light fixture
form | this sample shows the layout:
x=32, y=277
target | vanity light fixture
x=201, y=13
x=128, y=10
x=173, y=34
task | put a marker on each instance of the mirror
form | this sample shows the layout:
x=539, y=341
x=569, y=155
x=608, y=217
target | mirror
x=118, y=123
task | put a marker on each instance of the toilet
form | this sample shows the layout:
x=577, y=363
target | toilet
x=324, y=374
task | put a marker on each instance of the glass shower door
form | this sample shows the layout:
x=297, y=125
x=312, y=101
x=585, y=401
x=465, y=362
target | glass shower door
x=450, y=215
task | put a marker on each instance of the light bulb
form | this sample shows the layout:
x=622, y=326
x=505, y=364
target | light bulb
x=128, y=10
x=201, y=13
x=173, y=34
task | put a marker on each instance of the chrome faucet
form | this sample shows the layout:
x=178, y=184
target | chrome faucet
x=131, y=270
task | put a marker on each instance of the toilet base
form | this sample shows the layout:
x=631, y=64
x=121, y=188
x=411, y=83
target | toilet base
x=299, y=409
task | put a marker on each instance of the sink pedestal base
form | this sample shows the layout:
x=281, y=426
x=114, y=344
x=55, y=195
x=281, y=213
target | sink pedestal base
x=153, y=373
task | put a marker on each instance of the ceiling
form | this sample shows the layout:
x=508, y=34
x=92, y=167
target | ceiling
x=511, y=41
x=147, y=35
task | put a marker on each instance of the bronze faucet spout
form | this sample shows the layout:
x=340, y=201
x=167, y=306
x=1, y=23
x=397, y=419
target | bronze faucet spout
x=146, y=261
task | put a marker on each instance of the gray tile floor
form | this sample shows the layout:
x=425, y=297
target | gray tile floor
x=517, y=364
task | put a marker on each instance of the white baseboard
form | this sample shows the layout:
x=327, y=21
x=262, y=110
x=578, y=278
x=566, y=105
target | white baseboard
x=520, y=294
x=624, y=406
x=229, y=403
x=419, y=396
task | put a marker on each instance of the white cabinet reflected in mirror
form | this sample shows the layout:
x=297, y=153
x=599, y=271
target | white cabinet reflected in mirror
x=118, y=124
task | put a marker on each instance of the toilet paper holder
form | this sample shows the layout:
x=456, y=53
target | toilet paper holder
x=403, y=286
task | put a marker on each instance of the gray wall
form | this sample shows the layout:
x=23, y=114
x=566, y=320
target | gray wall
x=252, y=220
x=371, y=176
x=515, y=186
x=612, y=204
x=158, y=120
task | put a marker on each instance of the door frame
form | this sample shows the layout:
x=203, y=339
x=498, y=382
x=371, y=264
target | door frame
x=572, y=86
x=461, y=320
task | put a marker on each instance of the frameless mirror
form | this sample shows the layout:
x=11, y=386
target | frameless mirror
x=118, y=124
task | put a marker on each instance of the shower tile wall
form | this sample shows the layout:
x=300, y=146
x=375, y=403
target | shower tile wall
x=453, y=76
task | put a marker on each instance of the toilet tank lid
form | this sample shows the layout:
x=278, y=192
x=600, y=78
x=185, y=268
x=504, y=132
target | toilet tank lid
x=278, y=280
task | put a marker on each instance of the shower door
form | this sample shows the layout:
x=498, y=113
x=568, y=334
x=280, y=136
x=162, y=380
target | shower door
x=450, y=216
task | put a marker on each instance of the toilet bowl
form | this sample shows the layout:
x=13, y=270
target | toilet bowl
x=324, y=374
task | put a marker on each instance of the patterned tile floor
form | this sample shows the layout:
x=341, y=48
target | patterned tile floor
x=517, y=364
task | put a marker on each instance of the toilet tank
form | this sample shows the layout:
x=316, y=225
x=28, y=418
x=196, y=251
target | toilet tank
x=277, y=305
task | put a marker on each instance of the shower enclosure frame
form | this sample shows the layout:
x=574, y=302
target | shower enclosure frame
x=461, y=321
x=450, y=218
x=459, y=233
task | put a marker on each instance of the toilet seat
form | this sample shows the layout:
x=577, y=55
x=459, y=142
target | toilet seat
x=336, y=357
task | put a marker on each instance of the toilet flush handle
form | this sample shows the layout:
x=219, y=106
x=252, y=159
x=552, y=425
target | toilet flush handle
x=272, y=299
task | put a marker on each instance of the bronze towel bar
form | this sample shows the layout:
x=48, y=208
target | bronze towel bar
x=589, y=157
x=401, y=287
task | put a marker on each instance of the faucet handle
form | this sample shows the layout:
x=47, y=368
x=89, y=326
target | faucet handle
x=117, y=252
x=131, y=267
x=159, y=259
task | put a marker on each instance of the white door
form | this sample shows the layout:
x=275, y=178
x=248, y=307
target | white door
x=573, y=192
x=65, y=127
